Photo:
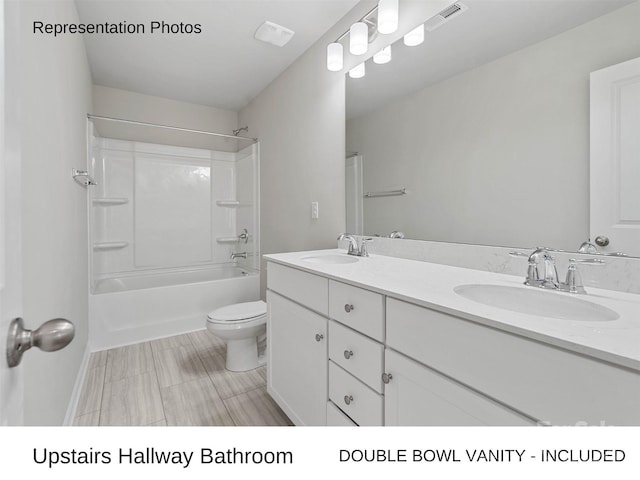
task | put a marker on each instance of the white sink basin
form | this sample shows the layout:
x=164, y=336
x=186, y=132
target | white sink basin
x=537, y=302
x=334, y=259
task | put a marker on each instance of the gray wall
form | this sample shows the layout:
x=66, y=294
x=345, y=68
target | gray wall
x=55, y=96
x=498, y=154
x=117, y=103
x=300, y=122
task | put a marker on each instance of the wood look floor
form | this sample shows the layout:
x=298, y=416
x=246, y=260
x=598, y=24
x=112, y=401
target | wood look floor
x=177, y=380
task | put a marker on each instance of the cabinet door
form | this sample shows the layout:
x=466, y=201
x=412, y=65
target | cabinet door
x=297, y=360
x=417, y=395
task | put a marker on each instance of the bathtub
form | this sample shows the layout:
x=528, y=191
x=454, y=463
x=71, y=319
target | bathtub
x=133, y=308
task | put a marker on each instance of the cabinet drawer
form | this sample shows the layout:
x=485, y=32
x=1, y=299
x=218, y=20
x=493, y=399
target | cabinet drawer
x=359, y=402
x=336, y=418
x=544, y=382
x=310, y=290
x=357, y=308
x=357, y=354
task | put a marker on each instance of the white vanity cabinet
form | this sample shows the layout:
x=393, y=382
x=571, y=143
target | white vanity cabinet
x=343, y=355
x=297, y=365
x=547, y=385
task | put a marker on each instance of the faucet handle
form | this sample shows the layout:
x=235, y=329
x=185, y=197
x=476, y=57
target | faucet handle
x=363, y=247
x=353, y=244
x=573, y=282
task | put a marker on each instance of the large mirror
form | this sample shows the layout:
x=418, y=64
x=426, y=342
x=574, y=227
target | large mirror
x=481, y=133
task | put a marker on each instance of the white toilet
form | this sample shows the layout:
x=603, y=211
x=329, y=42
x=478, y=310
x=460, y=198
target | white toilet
x=243, y=327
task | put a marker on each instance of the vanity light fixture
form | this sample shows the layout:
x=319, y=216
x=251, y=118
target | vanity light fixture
x=383, y=56
x=387, y=16
x=415, y=37
x=363, y=32
x=358, y=71
x=358, y=38
x=334, y=57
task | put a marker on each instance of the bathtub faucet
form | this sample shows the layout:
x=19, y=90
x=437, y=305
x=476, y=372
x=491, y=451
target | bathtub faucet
x=235, y=255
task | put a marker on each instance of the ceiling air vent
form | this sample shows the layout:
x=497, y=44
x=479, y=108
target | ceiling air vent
x=273, y=33
x=444, y=16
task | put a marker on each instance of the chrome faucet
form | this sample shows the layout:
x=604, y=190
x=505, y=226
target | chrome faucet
x=549, y=278
x=540, y=256
x=235, y=255
x=354, y=248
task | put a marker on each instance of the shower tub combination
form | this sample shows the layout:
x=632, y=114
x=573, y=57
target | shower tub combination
x=164, y=221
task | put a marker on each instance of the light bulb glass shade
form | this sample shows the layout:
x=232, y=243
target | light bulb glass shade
x=357, y=71
x=383, y=56
x=387, y=16
x=334, y=57
x=358, y=38
x=415, y=36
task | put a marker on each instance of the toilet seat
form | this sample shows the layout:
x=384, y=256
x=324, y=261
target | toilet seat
x=239, y=313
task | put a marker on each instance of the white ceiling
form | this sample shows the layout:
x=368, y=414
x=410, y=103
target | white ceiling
x=489, y=29
x=223, y=67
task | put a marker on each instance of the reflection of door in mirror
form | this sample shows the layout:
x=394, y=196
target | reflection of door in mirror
x=354, y=193
x=615, y=158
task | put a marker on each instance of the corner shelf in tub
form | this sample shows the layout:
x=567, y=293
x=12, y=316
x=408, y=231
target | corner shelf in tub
x=228, y=203
x=109, y=201
x=100, y=246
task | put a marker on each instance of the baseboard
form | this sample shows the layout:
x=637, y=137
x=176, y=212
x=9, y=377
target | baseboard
x=77, y=389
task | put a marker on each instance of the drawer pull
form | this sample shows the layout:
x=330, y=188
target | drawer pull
x=348, y=354
x=386, y=377
x=348, y=399
x=348, y=308
x=319, y=337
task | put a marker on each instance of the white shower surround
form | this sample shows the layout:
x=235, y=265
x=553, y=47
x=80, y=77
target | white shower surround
x=161, y=220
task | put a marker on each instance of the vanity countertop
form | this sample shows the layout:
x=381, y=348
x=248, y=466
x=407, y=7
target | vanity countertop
x=432, y=286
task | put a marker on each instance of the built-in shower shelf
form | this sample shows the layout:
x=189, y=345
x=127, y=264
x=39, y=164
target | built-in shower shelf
x=227, y=239
x=109, y=245
x=109, y=201
x=228, y=203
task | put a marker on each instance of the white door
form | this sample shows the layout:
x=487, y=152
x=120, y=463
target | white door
x=11, y=380
x=615, y=158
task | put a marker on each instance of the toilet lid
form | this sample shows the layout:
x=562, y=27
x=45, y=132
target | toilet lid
x=239, y=311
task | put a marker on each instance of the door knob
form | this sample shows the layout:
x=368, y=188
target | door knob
x=49, y=337
x=602, y=241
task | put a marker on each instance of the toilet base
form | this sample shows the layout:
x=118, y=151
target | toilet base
x=242, y=355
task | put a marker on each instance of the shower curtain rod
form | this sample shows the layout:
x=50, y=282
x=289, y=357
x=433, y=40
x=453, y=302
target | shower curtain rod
x=169, y=127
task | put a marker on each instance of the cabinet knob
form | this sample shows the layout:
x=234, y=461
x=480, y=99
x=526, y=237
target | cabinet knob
x=348, y=399
x=386, y=377
x=348, y=354
x=348, y=308
x=319, y=337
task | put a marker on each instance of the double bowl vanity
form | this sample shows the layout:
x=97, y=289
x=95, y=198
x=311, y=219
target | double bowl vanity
x=380, y=340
